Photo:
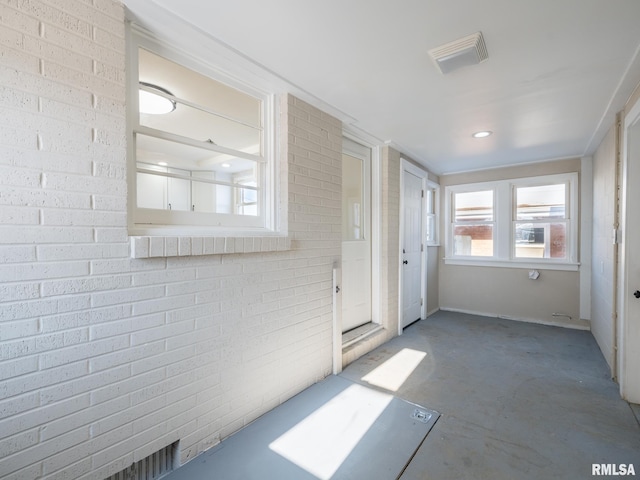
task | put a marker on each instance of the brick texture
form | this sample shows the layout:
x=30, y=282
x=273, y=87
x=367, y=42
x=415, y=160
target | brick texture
x=105, y=358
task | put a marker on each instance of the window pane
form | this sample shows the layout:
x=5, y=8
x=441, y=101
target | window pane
x=204, y=127
x=473, y=240
x=474, y=206
x=152, y=191
x=352, y=198
x=248, y=204
x=205, y=195
x=540, y=202
x=199, y=89
x=167, y=193
x=179, y=191
x=431, y=228
x=247, y=198
x=226, y=116
x=188, y=112
x=429, y=204
x=540, y=240
x=165, y=153
x=204, y=183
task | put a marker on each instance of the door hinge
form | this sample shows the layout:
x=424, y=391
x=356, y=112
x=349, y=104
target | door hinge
x=422, y=247
x=422, y=193
x=421, y=301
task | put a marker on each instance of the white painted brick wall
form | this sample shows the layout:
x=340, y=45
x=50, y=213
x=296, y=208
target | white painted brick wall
x=104, y=358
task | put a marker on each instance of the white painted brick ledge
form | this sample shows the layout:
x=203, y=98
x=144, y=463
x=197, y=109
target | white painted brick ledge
x=151, y=247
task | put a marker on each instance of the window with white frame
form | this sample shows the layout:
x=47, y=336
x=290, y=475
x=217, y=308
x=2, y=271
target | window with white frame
x=540, y=221
x=526, y=220
x=473, y=223
x=432, y=201
x=201, y=146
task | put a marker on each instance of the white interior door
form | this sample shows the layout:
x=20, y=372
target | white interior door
x=629, y=327
x=356, y=235
x=411, y=249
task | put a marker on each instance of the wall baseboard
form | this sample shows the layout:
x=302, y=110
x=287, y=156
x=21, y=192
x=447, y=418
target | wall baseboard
x=583, y=325
x=431, y=312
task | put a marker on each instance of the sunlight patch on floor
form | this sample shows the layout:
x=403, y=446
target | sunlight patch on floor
x=322, y=441
x=392, y=374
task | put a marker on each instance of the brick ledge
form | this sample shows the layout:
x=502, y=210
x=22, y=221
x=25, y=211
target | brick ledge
x=166, y=246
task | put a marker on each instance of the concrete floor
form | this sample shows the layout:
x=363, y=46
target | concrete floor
x=517, y=400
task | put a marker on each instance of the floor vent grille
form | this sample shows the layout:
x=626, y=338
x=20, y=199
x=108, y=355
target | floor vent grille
x=153, y=467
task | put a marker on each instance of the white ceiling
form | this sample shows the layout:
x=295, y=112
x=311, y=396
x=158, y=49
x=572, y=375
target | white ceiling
x=558, y=70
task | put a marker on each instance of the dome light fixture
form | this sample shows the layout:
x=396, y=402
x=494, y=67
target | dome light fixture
x=153, y=100
x=482, y=134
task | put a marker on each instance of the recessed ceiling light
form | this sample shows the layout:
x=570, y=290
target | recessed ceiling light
x=225, y=165
x=482, y=134
x=163, y=164
x=153, y=102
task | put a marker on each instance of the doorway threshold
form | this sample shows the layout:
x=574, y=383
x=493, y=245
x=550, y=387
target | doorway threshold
x=359, y=333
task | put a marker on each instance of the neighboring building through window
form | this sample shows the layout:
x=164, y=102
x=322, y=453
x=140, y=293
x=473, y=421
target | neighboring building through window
x=540, y=225
x=202, y=146
x=473, y=223
x=521, y=220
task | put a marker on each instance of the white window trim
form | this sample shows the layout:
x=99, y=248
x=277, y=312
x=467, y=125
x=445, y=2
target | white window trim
x=504, y=216
x=271, y=222
x=435, y=241
x=472, y=187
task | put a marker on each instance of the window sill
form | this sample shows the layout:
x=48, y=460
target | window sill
x=172, y=246
x=525, y=264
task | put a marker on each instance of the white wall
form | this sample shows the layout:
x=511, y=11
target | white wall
x=105, y=358
x=433, y=284
x=603, y=259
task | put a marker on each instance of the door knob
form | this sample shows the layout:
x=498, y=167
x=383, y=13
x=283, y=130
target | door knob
x=406, y=262
x=636, y=294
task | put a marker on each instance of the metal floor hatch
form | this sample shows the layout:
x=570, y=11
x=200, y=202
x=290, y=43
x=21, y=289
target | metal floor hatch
x=335, y=429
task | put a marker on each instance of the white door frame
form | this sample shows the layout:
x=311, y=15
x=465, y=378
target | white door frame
x=360, y=247
x=376, y=235
x=376, y=217
x=627, y=279
x=406, y=166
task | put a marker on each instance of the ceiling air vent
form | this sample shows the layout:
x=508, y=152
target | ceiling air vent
x=469, y=50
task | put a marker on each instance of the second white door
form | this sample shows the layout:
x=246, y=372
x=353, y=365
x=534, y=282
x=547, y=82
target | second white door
x=412, y=255
x=629, y=325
